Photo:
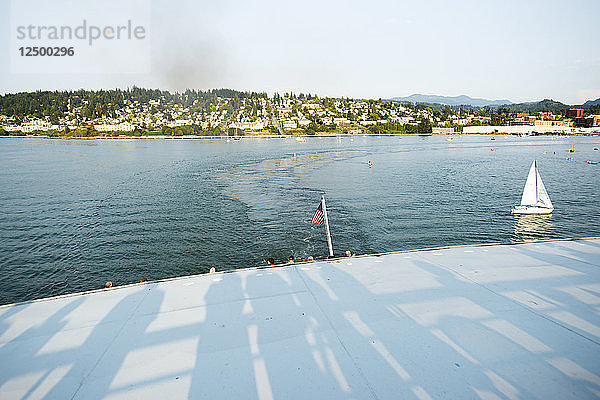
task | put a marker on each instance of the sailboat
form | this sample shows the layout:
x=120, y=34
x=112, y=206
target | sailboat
x=535, y=199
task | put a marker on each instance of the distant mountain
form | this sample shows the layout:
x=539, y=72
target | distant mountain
x=592, y=102
x=451, y=100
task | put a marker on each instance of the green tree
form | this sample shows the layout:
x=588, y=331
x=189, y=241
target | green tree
x=424, y=126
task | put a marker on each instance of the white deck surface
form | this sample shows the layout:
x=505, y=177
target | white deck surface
x=490, y=322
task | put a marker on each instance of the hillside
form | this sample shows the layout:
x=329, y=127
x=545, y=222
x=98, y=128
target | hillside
x=592, y=102
x=546, y=105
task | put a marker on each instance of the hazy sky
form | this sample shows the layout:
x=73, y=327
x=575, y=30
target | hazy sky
x=516, y=50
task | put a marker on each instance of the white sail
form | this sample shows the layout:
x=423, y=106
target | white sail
x=534, y=193
x=542, y=194
x=535, y=199
x=530, y=192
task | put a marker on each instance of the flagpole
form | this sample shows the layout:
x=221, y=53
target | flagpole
x=327, y=226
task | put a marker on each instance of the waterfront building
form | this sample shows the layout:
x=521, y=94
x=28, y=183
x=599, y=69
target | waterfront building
x=575, y=113
x=440, y=130
x=122, y=127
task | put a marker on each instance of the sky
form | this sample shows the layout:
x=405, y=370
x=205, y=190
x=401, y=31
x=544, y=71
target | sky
x=515, y=50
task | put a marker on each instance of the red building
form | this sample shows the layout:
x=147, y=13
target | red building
x=575, y=113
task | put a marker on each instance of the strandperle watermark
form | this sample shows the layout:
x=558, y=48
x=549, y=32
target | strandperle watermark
x=84, y=31
x=87, y=36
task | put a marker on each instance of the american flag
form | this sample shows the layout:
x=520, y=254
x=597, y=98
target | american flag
x=318, y=217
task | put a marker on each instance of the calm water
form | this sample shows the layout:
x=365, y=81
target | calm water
x=78, y=213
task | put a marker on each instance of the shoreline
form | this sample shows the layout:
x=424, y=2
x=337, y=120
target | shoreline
x=291, y=135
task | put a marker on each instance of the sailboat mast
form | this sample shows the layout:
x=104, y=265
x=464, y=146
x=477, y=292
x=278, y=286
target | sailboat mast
x=537, y=196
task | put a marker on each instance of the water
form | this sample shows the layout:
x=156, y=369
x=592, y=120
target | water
x=78, y=213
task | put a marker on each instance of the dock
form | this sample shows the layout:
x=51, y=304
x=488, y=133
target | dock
x=515, y=321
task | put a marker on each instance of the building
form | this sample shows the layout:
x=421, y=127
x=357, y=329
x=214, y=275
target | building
x=341, y=121
x=444, y=131
x=123, y=126
x=575, y=113
x=289, y=124
x=587, y=122
x=252, y=126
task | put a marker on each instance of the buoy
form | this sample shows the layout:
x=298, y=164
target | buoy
x=108, y=284
x=212, y=270
x=348, y=254
x=143, y=279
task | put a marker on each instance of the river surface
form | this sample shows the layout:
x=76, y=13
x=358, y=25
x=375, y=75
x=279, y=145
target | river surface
x=78, y=213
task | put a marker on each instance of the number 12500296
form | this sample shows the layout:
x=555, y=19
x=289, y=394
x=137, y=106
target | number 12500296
x=46, y=51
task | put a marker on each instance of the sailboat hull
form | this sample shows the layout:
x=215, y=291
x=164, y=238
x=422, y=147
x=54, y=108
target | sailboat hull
x=531, y=210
